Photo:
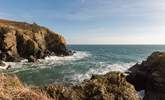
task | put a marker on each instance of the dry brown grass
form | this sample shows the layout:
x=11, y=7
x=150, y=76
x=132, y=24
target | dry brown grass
x=12, y=89
x=20, y=25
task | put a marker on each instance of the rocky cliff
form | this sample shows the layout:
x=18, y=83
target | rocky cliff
x=19, y=40
x=150, y=76
x=111, y=86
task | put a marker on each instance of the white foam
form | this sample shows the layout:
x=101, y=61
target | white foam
x=56, y=60
x=4, y=67
x=102, y=69
x=76, y=56
x=24, y=61
x=48, y=61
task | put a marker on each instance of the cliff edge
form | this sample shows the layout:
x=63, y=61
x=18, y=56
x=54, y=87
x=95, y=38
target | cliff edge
x=20, y=40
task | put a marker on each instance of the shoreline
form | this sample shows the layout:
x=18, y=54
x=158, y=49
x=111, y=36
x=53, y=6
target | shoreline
x=107, y=87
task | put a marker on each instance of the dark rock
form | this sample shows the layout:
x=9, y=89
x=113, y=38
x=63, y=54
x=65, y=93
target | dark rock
x=70, y=52
x=150, y=76
x=47, y=53
x=6, y=56
x=40, y=54
x=32, y=59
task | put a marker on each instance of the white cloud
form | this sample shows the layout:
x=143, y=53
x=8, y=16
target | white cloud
x=106, y=8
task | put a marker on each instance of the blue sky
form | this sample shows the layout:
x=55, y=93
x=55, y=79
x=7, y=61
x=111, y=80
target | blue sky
x=94, y=21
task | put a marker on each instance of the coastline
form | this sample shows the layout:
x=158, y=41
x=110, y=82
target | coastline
x=103, y=72
x=94, y=87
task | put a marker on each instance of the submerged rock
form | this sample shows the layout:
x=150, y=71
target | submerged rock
x=20, y=40
x=32, y=59
x=4, y=65
x=150, y=76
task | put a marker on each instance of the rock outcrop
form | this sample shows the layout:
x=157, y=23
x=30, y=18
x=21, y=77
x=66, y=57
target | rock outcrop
x=20, y=40
x=112, y=86
x=150, y=76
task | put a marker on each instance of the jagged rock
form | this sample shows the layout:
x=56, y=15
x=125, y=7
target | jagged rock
x=21, y=40
x=111, y=86
x=150, y=76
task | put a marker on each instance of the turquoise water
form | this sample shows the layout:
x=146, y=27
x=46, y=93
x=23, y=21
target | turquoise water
x=88, y=60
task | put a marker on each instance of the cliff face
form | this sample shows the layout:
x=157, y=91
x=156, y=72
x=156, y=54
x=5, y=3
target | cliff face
x=22, y=40
x=150, y=76
x=111, y=86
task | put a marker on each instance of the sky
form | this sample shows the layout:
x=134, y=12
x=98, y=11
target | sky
x=94, y=21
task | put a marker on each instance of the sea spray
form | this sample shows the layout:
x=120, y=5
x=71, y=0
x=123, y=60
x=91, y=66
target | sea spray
x=101, y=70
x=48, y=62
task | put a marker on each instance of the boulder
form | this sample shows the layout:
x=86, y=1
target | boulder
x=32, y=59
x=150, y=76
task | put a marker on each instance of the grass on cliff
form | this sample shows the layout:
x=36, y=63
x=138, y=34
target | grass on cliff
x=12, y=89
x=21, y=25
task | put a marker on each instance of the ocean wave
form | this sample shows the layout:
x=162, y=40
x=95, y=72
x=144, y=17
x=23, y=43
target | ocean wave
x=100, y=70
x=76, y=56
x=48, y=62
x=56, y=60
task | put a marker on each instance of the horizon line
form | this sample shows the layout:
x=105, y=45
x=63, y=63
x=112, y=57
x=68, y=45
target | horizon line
x=115, y=44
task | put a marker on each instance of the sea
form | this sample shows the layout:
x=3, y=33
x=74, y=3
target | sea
x=88, y=60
